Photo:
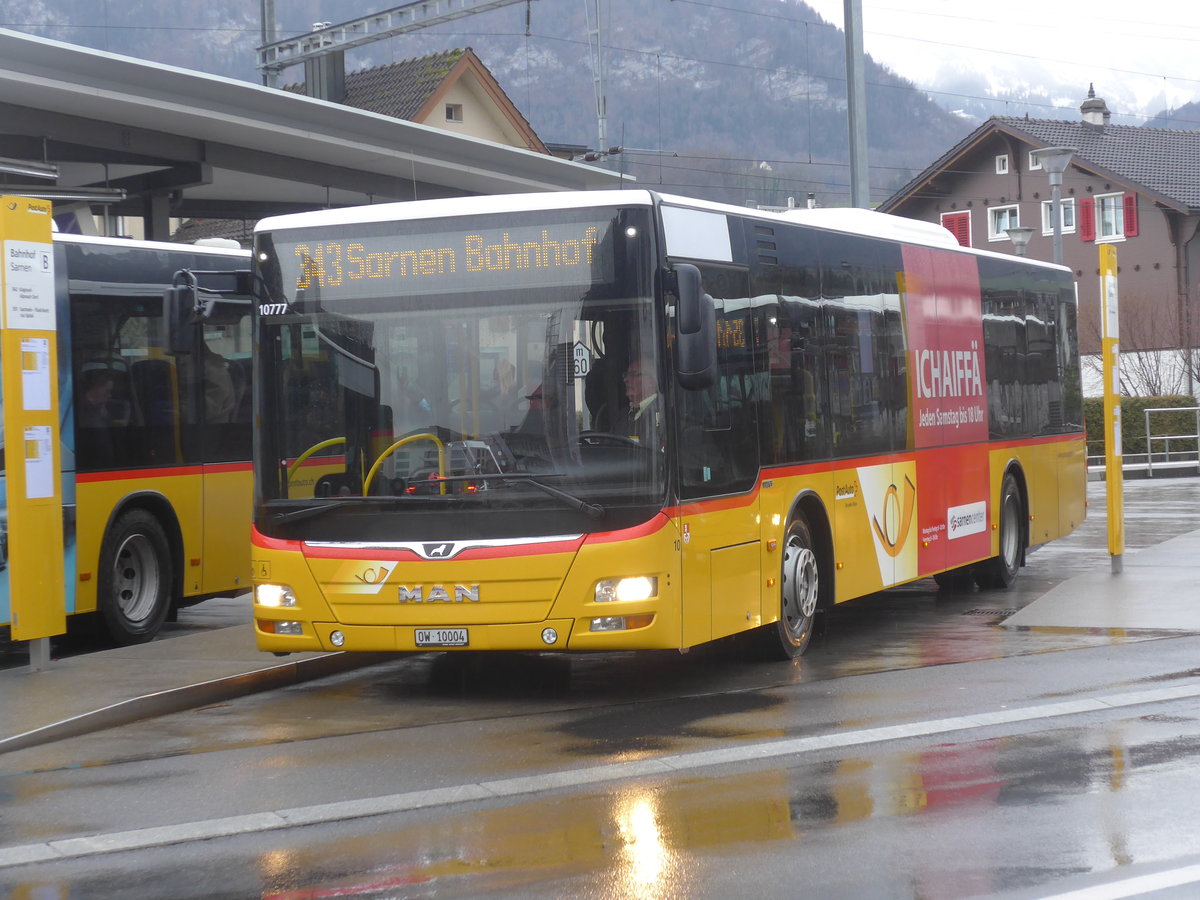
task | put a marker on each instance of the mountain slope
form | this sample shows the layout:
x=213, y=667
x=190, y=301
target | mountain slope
x=738, y=100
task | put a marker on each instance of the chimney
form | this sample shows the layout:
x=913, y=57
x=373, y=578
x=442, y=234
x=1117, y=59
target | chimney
x=1094, y=110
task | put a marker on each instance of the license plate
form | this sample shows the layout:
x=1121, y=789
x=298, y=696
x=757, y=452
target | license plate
x=441, y=637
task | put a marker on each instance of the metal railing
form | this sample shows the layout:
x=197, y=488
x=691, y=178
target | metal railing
x=1189, y=455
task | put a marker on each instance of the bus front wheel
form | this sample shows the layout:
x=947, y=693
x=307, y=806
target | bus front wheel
x=134, y=584
x=1000, y=570
x=799, y=593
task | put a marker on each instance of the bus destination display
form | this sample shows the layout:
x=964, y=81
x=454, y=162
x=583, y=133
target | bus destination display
x=504, y=258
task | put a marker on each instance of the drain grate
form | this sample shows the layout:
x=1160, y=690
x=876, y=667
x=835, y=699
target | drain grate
x=989, y=613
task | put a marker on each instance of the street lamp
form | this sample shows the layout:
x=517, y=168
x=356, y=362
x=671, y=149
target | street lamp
x=1055, y=161
x=1020, y=236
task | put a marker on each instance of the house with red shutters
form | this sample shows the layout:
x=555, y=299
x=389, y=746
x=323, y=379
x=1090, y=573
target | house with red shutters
x=1136, y=188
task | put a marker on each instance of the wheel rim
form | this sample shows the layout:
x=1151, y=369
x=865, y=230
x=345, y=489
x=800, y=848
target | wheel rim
x=801, y=582
x=1009, y=532
x=136, y=578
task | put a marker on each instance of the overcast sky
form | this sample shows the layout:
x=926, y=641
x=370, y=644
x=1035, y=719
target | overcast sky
x=1136, y=53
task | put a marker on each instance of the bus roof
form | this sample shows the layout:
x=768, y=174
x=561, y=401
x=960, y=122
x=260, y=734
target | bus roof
x=120, y=242
x=844, y=219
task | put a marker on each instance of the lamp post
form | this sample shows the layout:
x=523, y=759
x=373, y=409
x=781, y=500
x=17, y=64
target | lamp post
x=1020, y=236
x=1055, y=161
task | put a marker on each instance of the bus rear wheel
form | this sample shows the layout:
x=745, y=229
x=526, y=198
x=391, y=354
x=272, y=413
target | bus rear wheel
x=799, y=593
x=1001, y=570
x=134, y=585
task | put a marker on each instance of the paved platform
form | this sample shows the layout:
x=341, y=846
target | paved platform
x=79, y=694
x=1159, y=590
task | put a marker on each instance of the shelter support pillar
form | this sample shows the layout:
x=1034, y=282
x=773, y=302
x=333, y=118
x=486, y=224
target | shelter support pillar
x=156, y=216
x=1183, y=230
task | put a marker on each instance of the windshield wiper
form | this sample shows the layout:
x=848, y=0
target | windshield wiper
x=591, y=510
x=308, y=512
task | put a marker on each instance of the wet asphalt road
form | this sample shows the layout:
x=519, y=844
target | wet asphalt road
x=1026, y=808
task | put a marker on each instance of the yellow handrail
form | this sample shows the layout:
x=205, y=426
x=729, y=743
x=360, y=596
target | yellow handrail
x=309, y=452
x=441, y=449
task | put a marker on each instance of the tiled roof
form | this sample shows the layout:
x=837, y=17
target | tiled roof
x=402, y=88
x=1163, y=161
x=399, y=89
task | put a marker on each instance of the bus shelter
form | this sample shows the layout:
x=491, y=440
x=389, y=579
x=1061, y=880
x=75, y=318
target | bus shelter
x=137, y=138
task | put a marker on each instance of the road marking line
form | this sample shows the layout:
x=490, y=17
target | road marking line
x=208, y=829
x=1135, y=886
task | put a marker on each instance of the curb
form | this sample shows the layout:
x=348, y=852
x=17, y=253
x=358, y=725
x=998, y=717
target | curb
x=193, y=695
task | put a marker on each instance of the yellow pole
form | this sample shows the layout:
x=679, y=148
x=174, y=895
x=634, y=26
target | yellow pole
x=36, y=590
x=1113, y=475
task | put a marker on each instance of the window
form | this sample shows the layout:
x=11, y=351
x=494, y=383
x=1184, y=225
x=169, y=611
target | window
x=454, y=112
x=1002, y=164
x=1110, y=217
x=1035, y=161
x=1000, y=219
x=1068, y=216
x=959, y=225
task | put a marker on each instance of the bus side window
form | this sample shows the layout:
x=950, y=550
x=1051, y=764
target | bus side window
x=100, y=419
x=156, y=392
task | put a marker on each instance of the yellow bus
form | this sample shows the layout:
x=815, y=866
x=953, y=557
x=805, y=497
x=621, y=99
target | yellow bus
x=621, y=420
x=155, y=435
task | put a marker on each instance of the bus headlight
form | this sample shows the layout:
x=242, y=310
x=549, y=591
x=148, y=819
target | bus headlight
x=641, y=587
x=274, y=595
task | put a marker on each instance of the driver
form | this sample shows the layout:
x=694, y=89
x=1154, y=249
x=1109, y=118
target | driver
x=644, y=416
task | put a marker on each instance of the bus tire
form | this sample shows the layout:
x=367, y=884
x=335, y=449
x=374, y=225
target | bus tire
x=956, y=581
x=1001, y=570
x=135, y=578
x=799, y=595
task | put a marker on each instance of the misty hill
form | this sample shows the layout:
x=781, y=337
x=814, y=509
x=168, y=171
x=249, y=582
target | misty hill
x=1183, y=118
x=743, y=101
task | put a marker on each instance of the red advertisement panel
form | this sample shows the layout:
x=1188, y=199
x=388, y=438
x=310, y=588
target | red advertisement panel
x=943, y=327
x=944, y=334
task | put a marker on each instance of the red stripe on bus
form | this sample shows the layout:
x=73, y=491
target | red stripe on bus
x=163, y=472
x=656, y=524
x=134, y=474
x=401, y=555
x=258, y=539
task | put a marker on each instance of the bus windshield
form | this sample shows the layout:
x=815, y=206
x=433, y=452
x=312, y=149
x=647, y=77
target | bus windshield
x=419, y=378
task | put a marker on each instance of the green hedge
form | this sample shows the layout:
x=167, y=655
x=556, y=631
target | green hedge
x=1133, y=423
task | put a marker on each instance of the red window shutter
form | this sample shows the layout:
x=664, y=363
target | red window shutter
x=959, y=225
x=1131, y=223
x=1087, y=219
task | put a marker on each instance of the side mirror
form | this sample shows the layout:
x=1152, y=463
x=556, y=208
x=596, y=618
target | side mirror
x=696, y=324
x=179, y=305
x=185, y=303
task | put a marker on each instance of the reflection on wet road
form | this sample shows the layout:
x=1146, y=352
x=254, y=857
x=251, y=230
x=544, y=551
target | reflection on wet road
x=1028, y=807
x=931, y=820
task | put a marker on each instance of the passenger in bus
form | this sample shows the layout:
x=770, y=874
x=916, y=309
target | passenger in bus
x=211, y=370
x=220, y=396
x=94, y=420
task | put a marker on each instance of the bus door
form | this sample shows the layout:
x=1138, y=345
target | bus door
x=221, y=366
x=875, y=489
x=717, y=464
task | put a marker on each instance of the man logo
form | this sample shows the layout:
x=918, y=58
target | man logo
x=438, y=551
x=438, y=593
